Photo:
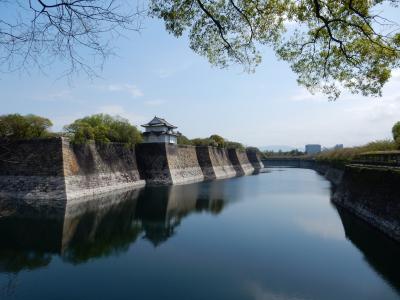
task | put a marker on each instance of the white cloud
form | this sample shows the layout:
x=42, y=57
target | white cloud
x=132, y=89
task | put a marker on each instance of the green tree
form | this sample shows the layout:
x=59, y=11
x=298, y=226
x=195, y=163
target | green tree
x=103, y=128
x=396, y=133
x=183, y=140
x=219, y=140
x=15, y=126
x=234, y=145
x=203, y=142
x=336, y=43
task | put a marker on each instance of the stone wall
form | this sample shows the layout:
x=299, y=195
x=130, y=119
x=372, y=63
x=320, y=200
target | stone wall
x=165, y=164
x=95, y=168
x=206, y=165
x=183, y=164
x=32, y=169
x=56, y=170
x=368, y=191
x=373, y=194
x=255, y=160
x=43, y=170
x=291, y=162
x=153, y=163
x=215, y=163
x=240, y=162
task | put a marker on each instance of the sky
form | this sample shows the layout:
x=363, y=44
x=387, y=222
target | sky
x=155, y=73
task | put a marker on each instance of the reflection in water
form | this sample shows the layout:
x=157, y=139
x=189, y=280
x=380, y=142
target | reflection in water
x=101, y=226
x=257, y=292
x=282, y=240
x=320, y=226
x=379, y=251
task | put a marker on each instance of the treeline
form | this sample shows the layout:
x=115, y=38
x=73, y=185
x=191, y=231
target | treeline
x=214, y=140
x=346, y=155
x=280, y=153
x=101, y=128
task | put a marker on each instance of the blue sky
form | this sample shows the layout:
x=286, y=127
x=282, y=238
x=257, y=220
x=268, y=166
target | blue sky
x=157, y=74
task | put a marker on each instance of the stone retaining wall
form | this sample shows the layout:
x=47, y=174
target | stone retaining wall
x=56, y=170
x=215, y=163
x=373, y=194
x=183, y=164
x=31, y=169
x=45, y=170
x=240, y=162
x=255, y=159
x=368, y=191
x=165, y=164
x=92, y=168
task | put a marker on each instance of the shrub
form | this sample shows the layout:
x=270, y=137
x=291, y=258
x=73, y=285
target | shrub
x=15, y=126
x=183, y=140
x=346, y=155
x=218, y=140
x=103, y=128
x=234, y=145
x=203, y=142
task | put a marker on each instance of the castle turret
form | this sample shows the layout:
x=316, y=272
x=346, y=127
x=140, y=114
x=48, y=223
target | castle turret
x=159, y=130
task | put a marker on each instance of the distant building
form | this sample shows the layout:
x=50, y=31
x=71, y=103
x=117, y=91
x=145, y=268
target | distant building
x=159, y=130
x=338, y=146
x=313, y=149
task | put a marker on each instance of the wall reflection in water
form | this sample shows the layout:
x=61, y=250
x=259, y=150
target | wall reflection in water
x=381, y=253
x=97, y=227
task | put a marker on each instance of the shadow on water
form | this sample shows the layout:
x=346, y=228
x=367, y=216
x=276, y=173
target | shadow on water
x=380, y=252
x=102, y=226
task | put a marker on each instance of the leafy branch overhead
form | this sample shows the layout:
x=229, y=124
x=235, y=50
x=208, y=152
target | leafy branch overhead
x=329, y=44
x=334, y=43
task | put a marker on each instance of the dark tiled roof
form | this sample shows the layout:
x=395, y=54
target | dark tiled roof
x=159, y=133
x=159, y=122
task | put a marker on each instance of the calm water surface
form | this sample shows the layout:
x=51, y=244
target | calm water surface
x=274, y=236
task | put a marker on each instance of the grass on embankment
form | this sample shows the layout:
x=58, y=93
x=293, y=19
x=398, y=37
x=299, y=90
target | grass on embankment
x=342, y=157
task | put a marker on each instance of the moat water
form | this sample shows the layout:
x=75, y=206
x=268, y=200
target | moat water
x=274, y=236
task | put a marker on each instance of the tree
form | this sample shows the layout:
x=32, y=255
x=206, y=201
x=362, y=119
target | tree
x=203, y=142
x=183, y=140
x=396, y=133
x=40, y=32
x=219, y=140
x=336, y=43
x=15, y=126
x=234, y=145
x=103, y=128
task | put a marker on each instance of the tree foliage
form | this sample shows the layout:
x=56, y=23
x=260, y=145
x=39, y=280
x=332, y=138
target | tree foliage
x=103, y=128
x=234, y=145
x=335, y=43
x=183, y=140
x=396, y=133
x=344, y=156
x=15, y=126
x=216, y=140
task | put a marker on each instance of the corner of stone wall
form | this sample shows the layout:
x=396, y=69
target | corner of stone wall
x=153, y=163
